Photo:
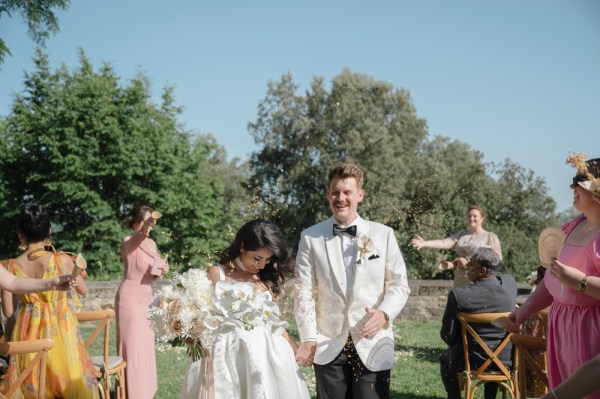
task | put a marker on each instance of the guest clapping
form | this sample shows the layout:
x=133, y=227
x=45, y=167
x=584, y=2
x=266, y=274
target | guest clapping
x=69, y=369
x=464, y=243
x=572, y=283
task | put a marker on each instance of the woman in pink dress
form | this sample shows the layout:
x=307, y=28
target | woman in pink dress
x=135, y=337
x=572, y=286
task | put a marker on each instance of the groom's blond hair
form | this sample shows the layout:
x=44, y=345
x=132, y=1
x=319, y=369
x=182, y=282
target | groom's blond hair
x=345, y=171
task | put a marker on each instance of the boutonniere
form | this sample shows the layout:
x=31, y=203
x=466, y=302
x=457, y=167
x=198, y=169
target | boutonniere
x=365, y=245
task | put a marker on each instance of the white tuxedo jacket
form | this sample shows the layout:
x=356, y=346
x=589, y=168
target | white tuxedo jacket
x=323, y=310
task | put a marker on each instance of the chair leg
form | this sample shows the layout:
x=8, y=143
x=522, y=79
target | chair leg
x=107, y=386
x=101, y=390
x=122, y=387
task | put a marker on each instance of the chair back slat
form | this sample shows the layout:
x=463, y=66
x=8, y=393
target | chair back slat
x=503, y=376
x=41, y=346
x=523, y=344
x=103, y=318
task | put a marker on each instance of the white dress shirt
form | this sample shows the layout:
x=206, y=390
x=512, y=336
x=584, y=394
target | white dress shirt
x=349, y=253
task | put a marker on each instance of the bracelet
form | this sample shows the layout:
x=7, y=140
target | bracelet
x=554, y=394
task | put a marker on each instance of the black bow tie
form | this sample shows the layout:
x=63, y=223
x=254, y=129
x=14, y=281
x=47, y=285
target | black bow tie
x=337, y=229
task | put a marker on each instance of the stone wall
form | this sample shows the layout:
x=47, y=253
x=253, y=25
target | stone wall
x=426, y=301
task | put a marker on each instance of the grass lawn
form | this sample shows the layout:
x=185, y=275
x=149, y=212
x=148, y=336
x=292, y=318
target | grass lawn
x=415, y=375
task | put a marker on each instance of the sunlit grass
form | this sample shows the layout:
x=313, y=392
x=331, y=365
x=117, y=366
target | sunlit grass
x=415, y=375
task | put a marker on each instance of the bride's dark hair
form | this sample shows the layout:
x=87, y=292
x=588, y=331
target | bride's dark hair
x=257, y=234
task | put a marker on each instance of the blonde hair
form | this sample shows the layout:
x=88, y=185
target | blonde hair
x=345, y=171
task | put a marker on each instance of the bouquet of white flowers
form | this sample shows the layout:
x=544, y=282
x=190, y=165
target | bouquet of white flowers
x=194, y=311
x=245, y=307
x=186, y=311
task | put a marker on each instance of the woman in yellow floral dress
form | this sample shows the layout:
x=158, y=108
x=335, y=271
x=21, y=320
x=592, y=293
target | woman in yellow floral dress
x=69, y=369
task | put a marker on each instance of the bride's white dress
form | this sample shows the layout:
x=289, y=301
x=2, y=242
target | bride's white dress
x=249, y=359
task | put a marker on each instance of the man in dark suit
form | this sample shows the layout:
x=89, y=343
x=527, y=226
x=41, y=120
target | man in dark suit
x=489, y=293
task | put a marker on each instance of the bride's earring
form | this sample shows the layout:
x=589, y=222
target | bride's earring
x=22, y=247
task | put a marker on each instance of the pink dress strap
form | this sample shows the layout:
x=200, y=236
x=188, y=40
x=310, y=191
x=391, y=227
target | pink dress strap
x=570, y=225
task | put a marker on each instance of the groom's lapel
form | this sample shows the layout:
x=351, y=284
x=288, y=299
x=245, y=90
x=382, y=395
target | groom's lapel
x=360, y=272
x=336, y=261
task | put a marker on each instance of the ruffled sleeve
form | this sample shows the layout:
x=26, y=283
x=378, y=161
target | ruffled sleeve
x=494, y=243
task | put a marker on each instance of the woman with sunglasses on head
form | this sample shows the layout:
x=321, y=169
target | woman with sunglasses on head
x=464, y=243
x=571, y=286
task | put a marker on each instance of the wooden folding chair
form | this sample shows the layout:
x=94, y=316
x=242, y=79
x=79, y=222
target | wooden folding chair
x=470, y=379
x=39, y=346
x=525, y=361
x=106, y=366
x=542, y=316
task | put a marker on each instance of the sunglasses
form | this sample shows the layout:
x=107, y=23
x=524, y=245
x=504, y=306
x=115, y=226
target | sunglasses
x=577, y=179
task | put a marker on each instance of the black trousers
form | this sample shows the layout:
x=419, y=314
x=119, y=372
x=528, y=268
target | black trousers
x=346, y=377
x=490, y=389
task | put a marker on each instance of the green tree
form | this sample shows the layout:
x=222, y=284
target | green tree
x=89, y=148
x=454, y=176
x=358, y=119
x=39, y=16
x=414, y=184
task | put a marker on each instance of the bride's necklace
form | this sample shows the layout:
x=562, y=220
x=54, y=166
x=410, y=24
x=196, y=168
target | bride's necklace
x=254, y=278
x=239, y=264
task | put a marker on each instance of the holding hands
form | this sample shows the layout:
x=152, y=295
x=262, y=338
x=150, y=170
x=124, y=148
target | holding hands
x=306, y=353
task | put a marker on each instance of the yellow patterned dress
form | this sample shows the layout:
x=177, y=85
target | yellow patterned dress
x=69, y=369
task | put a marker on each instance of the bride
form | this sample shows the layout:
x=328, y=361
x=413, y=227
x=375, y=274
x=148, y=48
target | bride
x=250, y=358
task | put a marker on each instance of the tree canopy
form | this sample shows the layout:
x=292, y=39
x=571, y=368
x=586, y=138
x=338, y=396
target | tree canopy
x=413, y=183
x=88, y=148
x=39, y=16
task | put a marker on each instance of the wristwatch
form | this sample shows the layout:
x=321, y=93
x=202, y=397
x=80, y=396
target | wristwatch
x=583, y=284
x=387, y=319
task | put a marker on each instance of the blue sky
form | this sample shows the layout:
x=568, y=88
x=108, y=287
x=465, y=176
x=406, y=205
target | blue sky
x=514, y=79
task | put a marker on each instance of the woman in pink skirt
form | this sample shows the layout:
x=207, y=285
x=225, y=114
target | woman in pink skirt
x=135, y=337
x=572, y=286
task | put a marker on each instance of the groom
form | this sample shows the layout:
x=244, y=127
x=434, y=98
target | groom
x=352, y=286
